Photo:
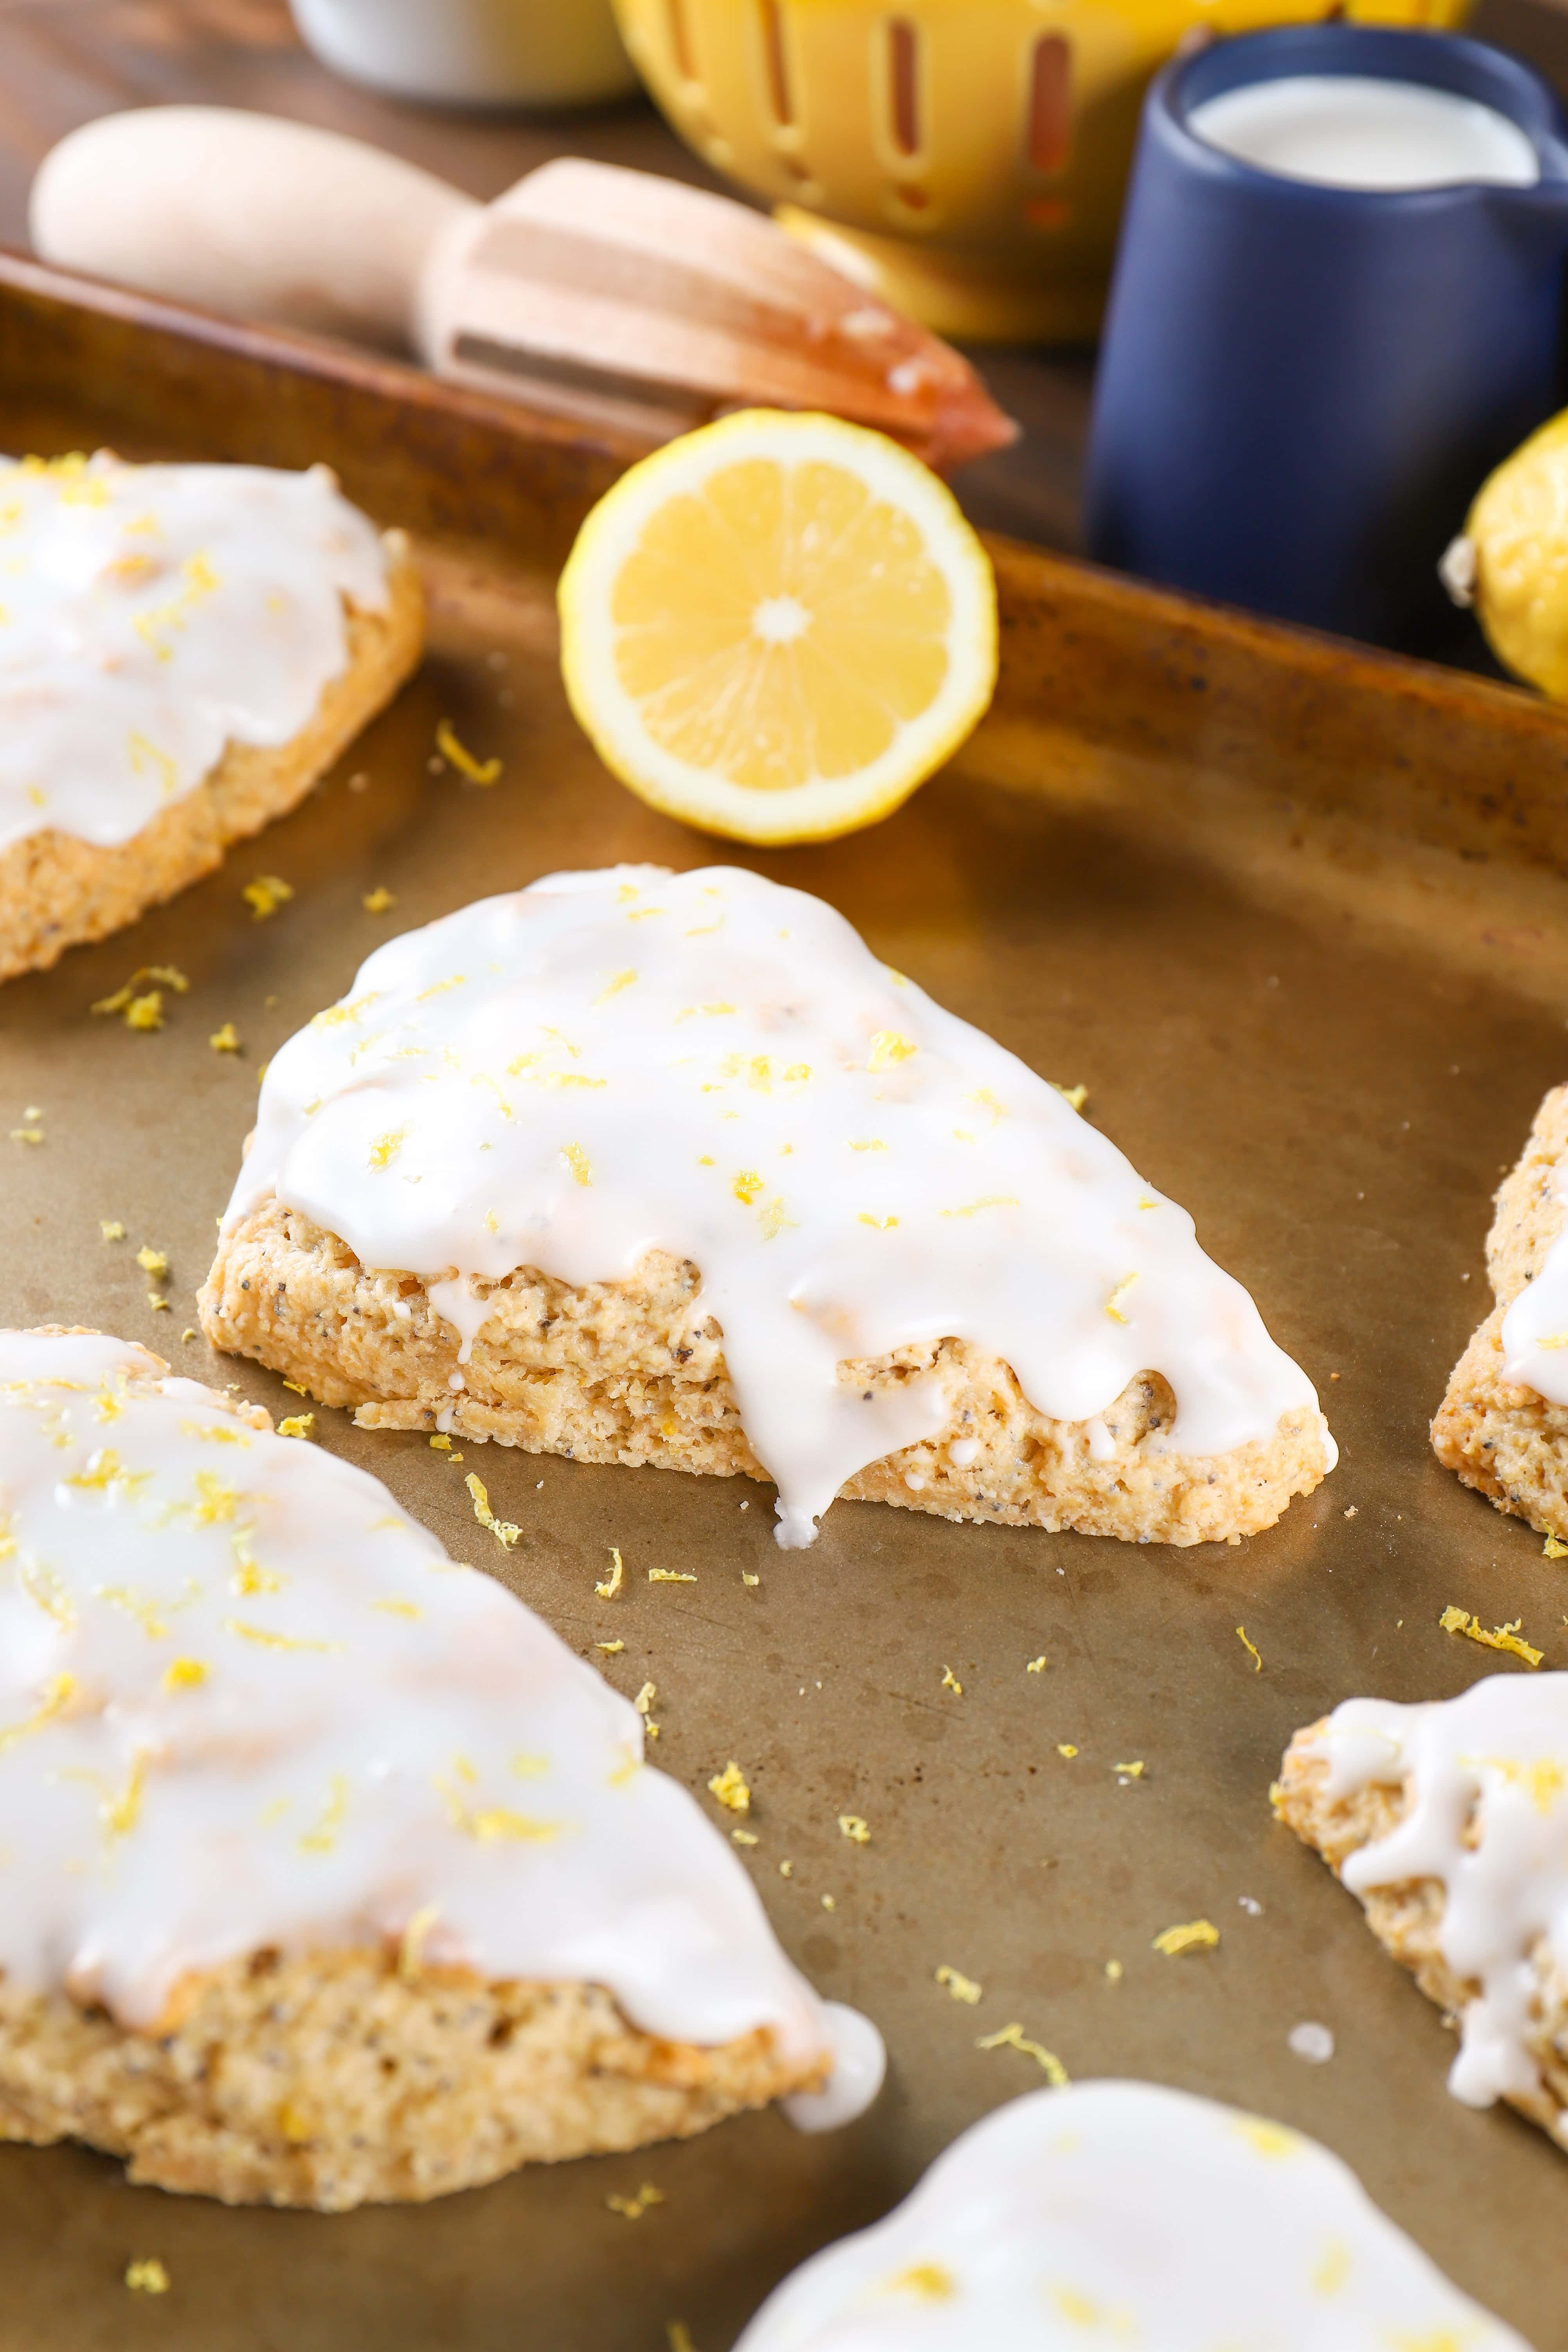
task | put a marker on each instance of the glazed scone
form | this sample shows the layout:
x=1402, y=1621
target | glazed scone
x=646, y=1168
x=1124, y=2213
x=1449, y=1823
x=330, y=1873
x=185, y=650
x=1503, y=1424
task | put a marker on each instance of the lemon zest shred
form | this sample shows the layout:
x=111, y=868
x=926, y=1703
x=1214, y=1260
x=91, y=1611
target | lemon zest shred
x=731, y=1789
x=617, y=1578
x=888, y=1048
x=1013, y=2037
x=264, y=894
x=57, y=1694
x=1501, y=1637
x=505, y=1532
x=1194, y=1935
x=928, y=2281
x=851, y=1826
x=957, y=1986
x=478, y=771
x=1113, y=1304
x=1251, y=1649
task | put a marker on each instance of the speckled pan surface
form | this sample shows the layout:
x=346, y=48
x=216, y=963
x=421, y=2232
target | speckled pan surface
x=1294, y=915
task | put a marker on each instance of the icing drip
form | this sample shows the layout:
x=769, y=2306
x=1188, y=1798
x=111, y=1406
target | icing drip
x=1121, y=2213
x=610, y=1063
x=1498, y=1754
x=149, y=615
x=1535, y=1328
x=246, y=1701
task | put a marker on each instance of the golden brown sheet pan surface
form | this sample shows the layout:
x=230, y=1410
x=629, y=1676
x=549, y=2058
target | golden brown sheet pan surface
x=1295, y=916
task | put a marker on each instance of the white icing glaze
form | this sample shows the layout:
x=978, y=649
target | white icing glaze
x=711, y=1065
x=1535, y=1328
x=1498, y=1752
x=246, y=1701
x=859, y=2065
x=149, y=615
x=1125, y=2214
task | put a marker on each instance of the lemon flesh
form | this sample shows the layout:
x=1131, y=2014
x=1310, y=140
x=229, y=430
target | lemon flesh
x=776, y=627
x=1518, y=527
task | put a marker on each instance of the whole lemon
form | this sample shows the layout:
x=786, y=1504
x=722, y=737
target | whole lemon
x=1511, y=564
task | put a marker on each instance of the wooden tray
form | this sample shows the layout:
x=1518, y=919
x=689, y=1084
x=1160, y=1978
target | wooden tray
x=1296, y=915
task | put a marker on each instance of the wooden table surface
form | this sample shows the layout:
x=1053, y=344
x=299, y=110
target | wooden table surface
x=64, y=61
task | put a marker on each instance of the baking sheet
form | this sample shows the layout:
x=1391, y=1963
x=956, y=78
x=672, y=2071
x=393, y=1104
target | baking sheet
x=1295, y=916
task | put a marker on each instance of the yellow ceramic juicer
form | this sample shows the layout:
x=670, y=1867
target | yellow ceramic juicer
x=965, y=158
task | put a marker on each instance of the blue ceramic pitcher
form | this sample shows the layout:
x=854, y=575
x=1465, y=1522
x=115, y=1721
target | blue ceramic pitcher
x=1302, y=387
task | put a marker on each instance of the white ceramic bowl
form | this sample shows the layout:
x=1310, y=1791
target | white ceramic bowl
x=473, y=52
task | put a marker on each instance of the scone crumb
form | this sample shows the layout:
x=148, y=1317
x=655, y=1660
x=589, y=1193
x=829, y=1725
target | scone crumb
x=851, y=1826
x=1196, y=1935
x=1074, y=1097
x=1013, y=2037
x=957, y=1986
x=744, y=1837
x=786, y=1870
x=730, y=1787
x=224, y=1040
x=830, y=1903
x=1113, y=1973
x=111, y=1229
x=1037, y=1666
x=147, y=2276
x=379, y=901
x=950, y=1680
x=153, y=1261
x=27, y=1134
x=1554, y=1548
x=1065, y=1747
x=441, y=1445
x=159, y=1306
x=296, y=1425
x=1251, y=1648
x=617, y=1578
x=1501, y=1637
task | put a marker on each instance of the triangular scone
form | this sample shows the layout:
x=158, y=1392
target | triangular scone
x=186, y=648
x=1123, y=2213
x=649, y=1167
x=330, y=1873
x=1503, y=1424
x=1449, y=1823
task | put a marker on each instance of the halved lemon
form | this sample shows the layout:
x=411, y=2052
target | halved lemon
x=776, y=627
